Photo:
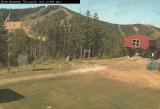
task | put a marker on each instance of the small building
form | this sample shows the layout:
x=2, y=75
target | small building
x=140, y=45
x=139, y=42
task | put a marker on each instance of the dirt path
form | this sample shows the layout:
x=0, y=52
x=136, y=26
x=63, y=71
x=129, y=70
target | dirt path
x=31, y=34
x=44, y=76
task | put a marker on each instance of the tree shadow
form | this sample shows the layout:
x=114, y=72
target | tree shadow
x=7, y=95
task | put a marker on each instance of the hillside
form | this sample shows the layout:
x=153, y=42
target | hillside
x=61, y=32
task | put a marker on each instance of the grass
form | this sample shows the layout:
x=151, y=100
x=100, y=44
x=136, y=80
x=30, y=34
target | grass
x=82, y=92
x=44, y=67
x=52, y=66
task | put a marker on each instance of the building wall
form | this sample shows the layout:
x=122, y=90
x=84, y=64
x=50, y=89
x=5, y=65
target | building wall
x=144, y=41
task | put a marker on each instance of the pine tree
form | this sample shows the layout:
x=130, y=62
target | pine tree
x=3, y=45
x=97, y=36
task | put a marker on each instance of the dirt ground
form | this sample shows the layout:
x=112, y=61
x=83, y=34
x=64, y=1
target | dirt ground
x=132, y=71
x=10, y=25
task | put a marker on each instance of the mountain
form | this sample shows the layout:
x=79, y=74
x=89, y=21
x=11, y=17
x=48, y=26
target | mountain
x=60, y=32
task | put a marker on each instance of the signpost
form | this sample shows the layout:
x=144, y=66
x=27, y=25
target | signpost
x=23, y=60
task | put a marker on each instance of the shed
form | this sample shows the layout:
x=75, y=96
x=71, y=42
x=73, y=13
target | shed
x=139, y=42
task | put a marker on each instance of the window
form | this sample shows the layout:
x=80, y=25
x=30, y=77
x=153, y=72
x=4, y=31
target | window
x=135, y=42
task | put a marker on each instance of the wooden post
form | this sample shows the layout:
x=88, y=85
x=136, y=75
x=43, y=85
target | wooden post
x=89, y=53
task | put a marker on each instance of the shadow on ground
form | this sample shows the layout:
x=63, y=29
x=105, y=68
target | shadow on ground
x=42, y=69
x=8, y=95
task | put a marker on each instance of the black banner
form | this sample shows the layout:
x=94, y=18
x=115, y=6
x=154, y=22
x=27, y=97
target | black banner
x=39, y=1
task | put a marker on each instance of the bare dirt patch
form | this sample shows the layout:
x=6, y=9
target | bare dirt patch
x=132, y=71
x=12, y=25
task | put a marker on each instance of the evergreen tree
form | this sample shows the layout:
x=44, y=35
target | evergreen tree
x=3, y=45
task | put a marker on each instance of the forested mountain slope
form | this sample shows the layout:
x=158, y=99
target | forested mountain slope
x=69, y=33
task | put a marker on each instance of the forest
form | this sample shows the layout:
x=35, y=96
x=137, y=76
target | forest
x=67, y=33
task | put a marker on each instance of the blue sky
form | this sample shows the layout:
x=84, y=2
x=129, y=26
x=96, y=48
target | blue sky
x=115, y=11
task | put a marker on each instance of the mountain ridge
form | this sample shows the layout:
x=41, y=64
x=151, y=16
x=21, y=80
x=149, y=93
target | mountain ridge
x=44, y=11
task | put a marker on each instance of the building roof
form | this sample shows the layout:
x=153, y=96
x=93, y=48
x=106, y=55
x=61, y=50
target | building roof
x=140, y=36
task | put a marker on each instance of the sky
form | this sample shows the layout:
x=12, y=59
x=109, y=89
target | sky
x=113, y=11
